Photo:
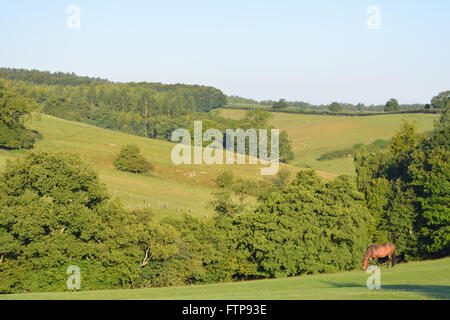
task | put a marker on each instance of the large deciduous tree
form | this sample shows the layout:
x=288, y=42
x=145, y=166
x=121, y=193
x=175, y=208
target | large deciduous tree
x=442, y=100
x=391, y=105
x=14, y=108
x=54, y=212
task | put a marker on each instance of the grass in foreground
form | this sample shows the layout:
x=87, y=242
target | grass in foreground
x=419, y=280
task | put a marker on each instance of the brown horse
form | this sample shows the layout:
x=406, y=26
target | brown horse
x=375, y=252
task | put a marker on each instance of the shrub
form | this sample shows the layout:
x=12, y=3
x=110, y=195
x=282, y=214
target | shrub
x=129, y=159
x=343, y=153
x=225, y=179
x=380, y=143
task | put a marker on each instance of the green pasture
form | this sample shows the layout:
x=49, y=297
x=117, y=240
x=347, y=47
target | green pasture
x=169, y=189
x=314, y=135
x=418, y=281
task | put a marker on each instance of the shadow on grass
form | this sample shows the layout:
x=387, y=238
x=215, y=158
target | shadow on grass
x=429, y=291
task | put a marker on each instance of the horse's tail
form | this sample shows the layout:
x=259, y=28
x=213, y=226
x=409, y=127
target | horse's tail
x=393, y=258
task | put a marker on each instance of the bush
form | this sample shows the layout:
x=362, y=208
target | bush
x=54, y=212
x=380, y=143
x=309, y=227
x=343, y=153
x=129, y=159
x=225, y=179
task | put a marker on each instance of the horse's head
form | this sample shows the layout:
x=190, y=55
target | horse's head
x=365, y=264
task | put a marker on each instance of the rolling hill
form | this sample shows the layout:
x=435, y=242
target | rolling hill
x=169, y=189
x=174, y=189
x=314, y=135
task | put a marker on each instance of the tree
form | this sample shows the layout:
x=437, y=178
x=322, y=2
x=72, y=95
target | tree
x=283, y=178
x=441, y=101
x=48, y=209
x=54, y=212
x=14, y=108
x=405, y=139
x=391, y=105
x=407, y=190
x=335, y=107
x=429, y=174
x=309, y=227
x=130, y=159
x=224, y=204
x=281, y=104
x=286, y=153
x=225, y=179
x=256, y=119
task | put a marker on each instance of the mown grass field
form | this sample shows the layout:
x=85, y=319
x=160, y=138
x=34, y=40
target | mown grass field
x=314, y=135
x=169, y=189
x=419, y=280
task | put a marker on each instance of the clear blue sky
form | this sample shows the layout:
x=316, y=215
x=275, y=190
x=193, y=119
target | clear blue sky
x=316, y=51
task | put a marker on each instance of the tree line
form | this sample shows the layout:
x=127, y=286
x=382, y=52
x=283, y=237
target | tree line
x=407, y=190
x=152, y=110
x=120, y=106
x=441, y=101
x=149, y=110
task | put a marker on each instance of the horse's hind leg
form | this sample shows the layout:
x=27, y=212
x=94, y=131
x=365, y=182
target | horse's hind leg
x=389, y=265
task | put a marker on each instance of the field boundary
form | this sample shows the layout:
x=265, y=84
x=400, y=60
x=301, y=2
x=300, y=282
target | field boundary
x=344, y=114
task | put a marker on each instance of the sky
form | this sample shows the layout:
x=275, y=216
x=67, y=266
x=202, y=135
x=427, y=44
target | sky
x=316, y=51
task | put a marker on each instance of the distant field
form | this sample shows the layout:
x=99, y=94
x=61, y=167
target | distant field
x=168, y=190
x=314, y=135
x=419, y=281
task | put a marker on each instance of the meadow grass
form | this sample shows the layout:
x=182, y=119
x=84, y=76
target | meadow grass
x=169, y=189
x=418, y=280
x=314, y=135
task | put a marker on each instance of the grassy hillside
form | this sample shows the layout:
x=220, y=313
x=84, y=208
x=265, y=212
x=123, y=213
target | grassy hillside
x=314, y=135
x=172, y=189
x=169, y=189
x=421, y=280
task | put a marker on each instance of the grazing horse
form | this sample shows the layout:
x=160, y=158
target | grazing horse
x=375, y=252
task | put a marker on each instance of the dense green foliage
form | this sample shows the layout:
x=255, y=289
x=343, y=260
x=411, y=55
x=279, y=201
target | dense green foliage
x=309, y=227
x=281, y=104
x=151, y=110
x=55, y=213
x=14, y=108
x=335, y=107
x=407, y=189
x=392, y=105
x=129, y=159
x=441, y=101
x=130, y=107
x=48, y=78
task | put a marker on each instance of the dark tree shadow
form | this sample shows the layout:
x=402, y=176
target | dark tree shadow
x=432, y=291
x=429, y=291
